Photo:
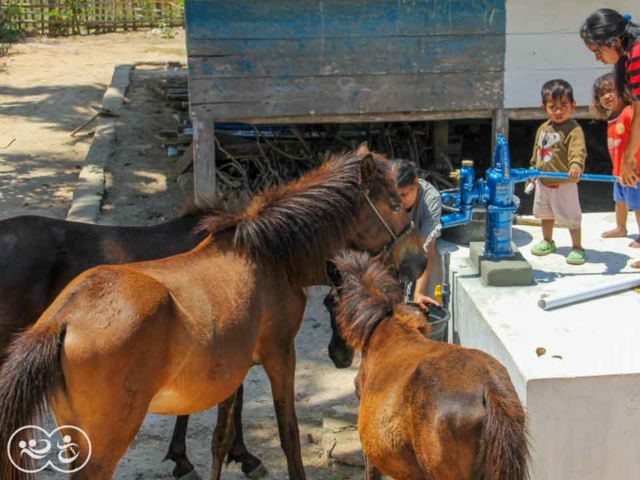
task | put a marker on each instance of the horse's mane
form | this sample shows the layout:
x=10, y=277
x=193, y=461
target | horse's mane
x=367, y=296
x=222, y=203
x=297, y=226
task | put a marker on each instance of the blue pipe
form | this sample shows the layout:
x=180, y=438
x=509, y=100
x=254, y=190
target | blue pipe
x=590, y=177
x=497, y=194
x=471, y=192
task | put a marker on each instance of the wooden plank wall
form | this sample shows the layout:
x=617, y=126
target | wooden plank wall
x=342, y=57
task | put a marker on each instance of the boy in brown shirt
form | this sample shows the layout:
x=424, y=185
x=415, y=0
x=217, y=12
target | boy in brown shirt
x=560, y=147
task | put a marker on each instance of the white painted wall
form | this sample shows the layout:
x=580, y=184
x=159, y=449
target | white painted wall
x=543, y=42
x=585, y=428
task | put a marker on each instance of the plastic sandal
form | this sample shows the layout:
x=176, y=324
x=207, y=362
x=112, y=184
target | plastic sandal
x=576, y=257
x=543, y=248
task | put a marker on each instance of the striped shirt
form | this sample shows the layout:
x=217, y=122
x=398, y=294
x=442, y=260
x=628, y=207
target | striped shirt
x=633, y=70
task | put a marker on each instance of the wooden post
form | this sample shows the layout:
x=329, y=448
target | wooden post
x=440, y=139
x=204, y=162
x=500, y=125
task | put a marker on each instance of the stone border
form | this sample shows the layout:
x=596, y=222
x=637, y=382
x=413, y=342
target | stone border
x=89, y=191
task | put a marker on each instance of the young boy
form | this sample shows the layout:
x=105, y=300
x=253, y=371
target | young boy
x=559, y=147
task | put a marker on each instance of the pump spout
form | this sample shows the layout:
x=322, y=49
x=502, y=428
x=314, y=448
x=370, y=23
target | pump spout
x=471, y=193
x=459, y=218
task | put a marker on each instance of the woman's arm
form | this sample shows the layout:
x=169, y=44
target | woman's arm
x=628, y=167
x=421, y=283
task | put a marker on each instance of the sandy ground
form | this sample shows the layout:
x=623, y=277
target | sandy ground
x=136, y=184
x=47, y=88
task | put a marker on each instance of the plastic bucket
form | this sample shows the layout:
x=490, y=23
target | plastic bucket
x=439, y=320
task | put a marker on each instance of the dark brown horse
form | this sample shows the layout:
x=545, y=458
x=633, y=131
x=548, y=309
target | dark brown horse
x=177, y=336
x=428, y=410
x=41, y=255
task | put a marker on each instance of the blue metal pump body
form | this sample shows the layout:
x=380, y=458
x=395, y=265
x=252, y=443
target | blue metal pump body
x=496, y=194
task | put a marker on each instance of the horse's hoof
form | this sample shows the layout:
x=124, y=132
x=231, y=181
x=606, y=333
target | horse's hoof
x=192, y=475
x=258, y=472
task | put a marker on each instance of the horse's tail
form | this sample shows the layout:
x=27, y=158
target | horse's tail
x=505, y=440
x=30, y=372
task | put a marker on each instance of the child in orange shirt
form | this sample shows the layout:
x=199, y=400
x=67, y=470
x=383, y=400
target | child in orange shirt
x=607, y=105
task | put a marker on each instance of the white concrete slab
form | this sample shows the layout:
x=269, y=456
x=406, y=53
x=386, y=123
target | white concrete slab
x=583, y=393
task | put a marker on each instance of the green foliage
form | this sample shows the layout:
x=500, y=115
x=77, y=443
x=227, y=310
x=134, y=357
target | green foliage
x=68, y=16
x=165, y=30
x=9, y=31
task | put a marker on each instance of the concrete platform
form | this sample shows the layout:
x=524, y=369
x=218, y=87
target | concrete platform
x=576, y=368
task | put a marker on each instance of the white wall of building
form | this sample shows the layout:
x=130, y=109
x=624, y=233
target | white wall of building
x=543, y=42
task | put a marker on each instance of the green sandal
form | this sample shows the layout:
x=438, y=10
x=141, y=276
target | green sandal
x=576, y=257
x=544, y=248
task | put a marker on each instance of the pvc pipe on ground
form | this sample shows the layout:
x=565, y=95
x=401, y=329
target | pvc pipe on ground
x=548, y=303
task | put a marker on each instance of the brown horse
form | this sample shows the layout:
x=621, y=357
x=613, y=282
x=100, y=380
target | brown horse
x=41, y=255
x=428, y=410
x=177, y=336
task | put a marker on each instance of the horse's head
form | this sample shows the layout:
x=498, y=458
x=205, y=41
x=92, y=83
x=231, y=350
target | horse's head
x=383, y=227
x=339, y=352
x=350, y=201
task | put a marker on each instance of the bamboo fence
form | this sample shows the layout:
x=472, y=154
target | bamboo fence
x=74, y=17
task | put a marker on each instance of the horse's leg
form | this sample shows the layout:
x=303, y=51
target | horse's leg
x=371, y=472
x=109, y=434
x=222, y=436
x=178, y=448
x=280, y=367
x=252, y=466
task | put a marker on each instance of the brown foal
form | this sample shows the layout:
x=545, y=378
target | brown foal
x=428, y=410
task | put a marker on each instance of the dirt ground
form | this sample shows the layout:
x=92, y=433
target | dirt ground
x=47, y=89
x=136, y=184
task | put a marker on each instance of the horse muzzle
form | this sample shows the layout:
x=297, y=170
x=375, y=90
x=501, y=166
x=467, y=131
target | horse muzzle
x=412, y=268
x=339, y=352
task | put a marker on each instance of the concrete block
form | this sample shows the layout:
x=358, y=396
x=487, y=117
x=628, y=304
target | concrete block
x=508, y=272
x=114, y=96
x=87, y=196
x=89, y=191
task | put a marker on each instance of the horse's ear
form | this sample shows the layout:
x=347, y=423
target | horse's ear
x=368, y=169
x=363, y=149
x=334, y=274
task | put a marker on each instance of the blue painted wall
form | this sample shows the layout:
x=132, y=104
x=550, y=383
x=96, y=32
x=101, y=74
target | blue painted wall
x=263, y=56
